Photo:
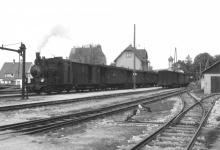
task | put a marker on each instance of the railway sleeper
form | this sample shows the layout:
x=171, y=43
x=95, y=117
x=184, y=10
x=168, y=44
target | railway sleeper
x=177, y=130
x=177, y=134
x=183, y=129
x=193, y=116
x=167, y=144
x=175, y=139
x=187, y=127
x=188, y=122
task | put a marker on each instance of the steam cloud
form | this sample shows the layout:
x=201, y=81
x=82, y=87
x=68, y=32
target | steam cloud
x=57, y=31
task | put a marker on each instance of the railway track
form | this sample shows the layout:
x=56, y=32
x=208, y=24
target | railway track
x=59, y=102
x=44, y=125
x=182, y=130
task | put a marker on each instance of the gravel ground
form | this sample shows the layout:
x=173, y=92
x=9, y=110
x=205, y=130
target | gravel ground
x=211, y=136
x=109, y=133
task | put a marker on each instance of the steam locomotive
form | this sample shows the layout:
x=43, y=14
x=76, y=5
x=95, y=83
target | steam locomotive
x=58, y=74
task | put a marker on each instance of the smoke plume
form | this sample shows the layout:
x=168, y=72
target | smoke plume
x=57, y=31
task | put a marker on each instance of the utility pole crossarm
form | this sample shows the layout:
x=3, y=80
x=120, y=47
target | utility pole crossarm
x=9, y=49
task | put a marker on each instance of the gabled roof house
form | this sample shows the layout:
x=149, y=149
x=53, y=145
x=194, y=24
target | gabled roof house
x=11, y=73
x=126, y=58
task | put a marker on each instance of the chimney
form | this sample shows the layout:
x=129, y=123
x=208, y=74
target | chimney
x=13, y=61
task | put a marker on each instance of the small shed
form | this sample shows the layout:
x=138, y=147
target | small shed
x=211, y=79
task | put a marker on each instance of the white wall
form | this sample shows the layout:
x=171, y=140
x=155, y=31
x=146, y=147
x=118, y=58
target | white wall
x=16, y=82
x=125, y=62
x=207, y=82
x=202, y=84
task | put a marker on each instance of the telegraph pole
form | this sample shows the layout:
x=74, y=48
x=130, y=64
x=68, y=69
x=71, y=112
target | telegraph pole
x=21, y=52
x=134, y=61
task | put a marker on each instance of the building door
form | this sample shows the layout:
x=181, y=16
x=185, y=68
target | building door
x=215, y=84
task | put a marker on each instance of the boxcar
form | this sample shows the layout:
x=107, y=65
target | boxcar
x=167, y=78
x=140, y=81
x=85, y=76
x=115, y=77
x=181, y=79
x=150, y=78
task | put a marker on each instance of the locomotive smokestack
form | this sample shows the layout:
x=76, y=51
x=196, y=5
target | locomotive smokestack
x=38, y=59
x=38, y=55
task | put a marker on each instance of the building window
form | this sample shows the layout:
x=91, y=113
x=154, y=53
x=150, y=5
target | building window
x=18, y=82
x=128, y=54
x=9, y=75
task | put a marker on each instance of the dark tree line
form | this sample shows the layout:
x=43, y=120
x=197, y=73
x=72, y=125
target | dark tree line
x=201, y=62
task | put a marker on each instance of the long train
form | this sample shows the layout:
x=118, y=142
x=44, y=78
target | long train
x=58, y=74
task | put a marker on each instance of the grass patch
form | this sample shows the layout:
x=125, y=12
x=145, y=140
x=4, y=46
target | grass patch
x=163, y=105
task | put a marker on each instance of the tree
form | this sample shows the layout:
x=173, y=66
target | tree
x=189, y=65
x=216, y=58
x=180, y=65
x=202, y=61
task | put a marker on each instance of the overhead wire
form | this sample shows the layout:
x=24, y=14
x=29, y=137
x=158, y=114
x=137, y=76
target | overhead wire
x=10, y=44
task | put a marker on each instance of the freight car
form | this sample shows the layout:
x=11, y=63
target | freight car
x=57, y=75
x=169, y=79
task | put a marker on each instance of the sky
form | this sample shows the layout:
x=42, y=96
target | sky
x=53, y=27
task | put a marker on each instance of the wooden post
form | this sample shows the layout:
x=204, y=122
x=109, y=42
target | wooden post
x=134, y=87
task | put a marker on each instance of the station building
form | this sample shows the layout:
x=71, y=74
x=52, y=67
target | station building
x=211, y=79
x=126, y=59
